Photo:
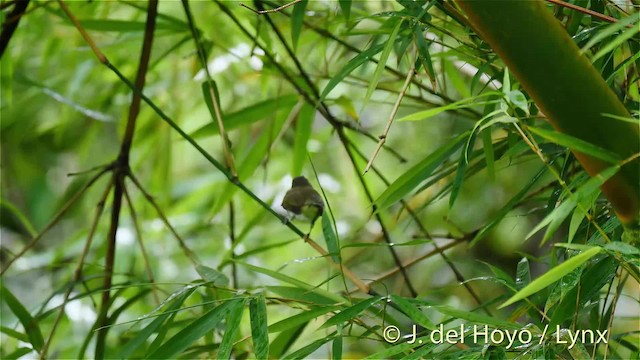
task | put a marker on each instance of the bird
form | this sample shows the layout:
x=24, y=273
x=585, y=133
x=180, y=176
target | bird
x=303, y=199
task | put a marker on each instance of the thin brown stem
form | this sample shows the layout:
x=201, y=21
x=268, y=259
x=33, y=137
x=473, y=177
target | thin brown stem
x=584, y=10
x=392, y=115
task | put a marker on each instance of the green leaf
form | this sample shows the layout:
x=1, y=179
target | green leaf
x=293, y=281
x=349, y=67
x=301, y=295
x=517, y=98
x=523, y=276
x=345, y=6
x=15, y=334
x=233, y=325
x=351, y=312
x=553, y=275
x=608, y=31
x=212, y=276
x=412, y=178
x=254, y=156
x=248, y=115
x=423, y=50
x=375, y=79
x=346, y=104
x=302, y=318
x=577, y=145
x=12, y=218
x=30, y=324
x=304, y=125
x=474, y=317
x=305, y=351
x=143, y=335
x=409, y=309
x=336, y=347
x=259, y=334
x=555, y=218
x=460, y=104
x=487, y=148
x=195, y=330
x=297, y=20
x=330, y=238
x=283, y=342
x=453, y=75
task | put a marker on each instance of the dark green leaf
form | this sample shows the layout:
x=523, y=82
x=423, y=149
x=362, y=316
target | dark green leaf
x=259, y=334
x=330, y=237
x=297, y=20
x=30, y=324
x=553, y=275
x=195, y=330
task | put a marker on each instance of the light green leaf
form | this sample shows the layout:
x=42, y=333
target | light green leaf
x=212, y=276
x=373, y=81
x=553, y=275
x=351, y=312
x=143, y=335
x=577, y=145
x=304, y=317
x=461, y=104
x=248, y=115
x=349, y=67
x=293, y=281
x=195, y=330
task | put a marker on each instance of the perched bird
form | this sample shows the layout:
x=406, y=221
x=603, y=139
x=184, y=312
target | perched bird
x=302, y=199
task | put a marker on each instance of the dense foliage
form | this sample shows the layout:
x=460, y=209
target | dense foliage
x=146, y=149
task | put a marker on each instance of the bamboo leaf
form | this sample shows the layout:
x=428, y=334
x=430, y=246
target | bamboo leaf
x=330, y=238
x=302, y=318
x=248, y=115
x=233, y=325
x=373, y=81
x=412, y=178
x=297, y=20
x=259, y=334
x=30, y=324
x=577, y=145
x=349, y=67
x=195, y=330
x=351, y=312
x=553, y=275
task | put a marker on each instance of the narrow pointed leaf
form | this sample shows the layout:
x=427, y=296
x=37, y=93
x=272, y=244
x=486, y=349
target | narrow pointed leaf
x=553, y=275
